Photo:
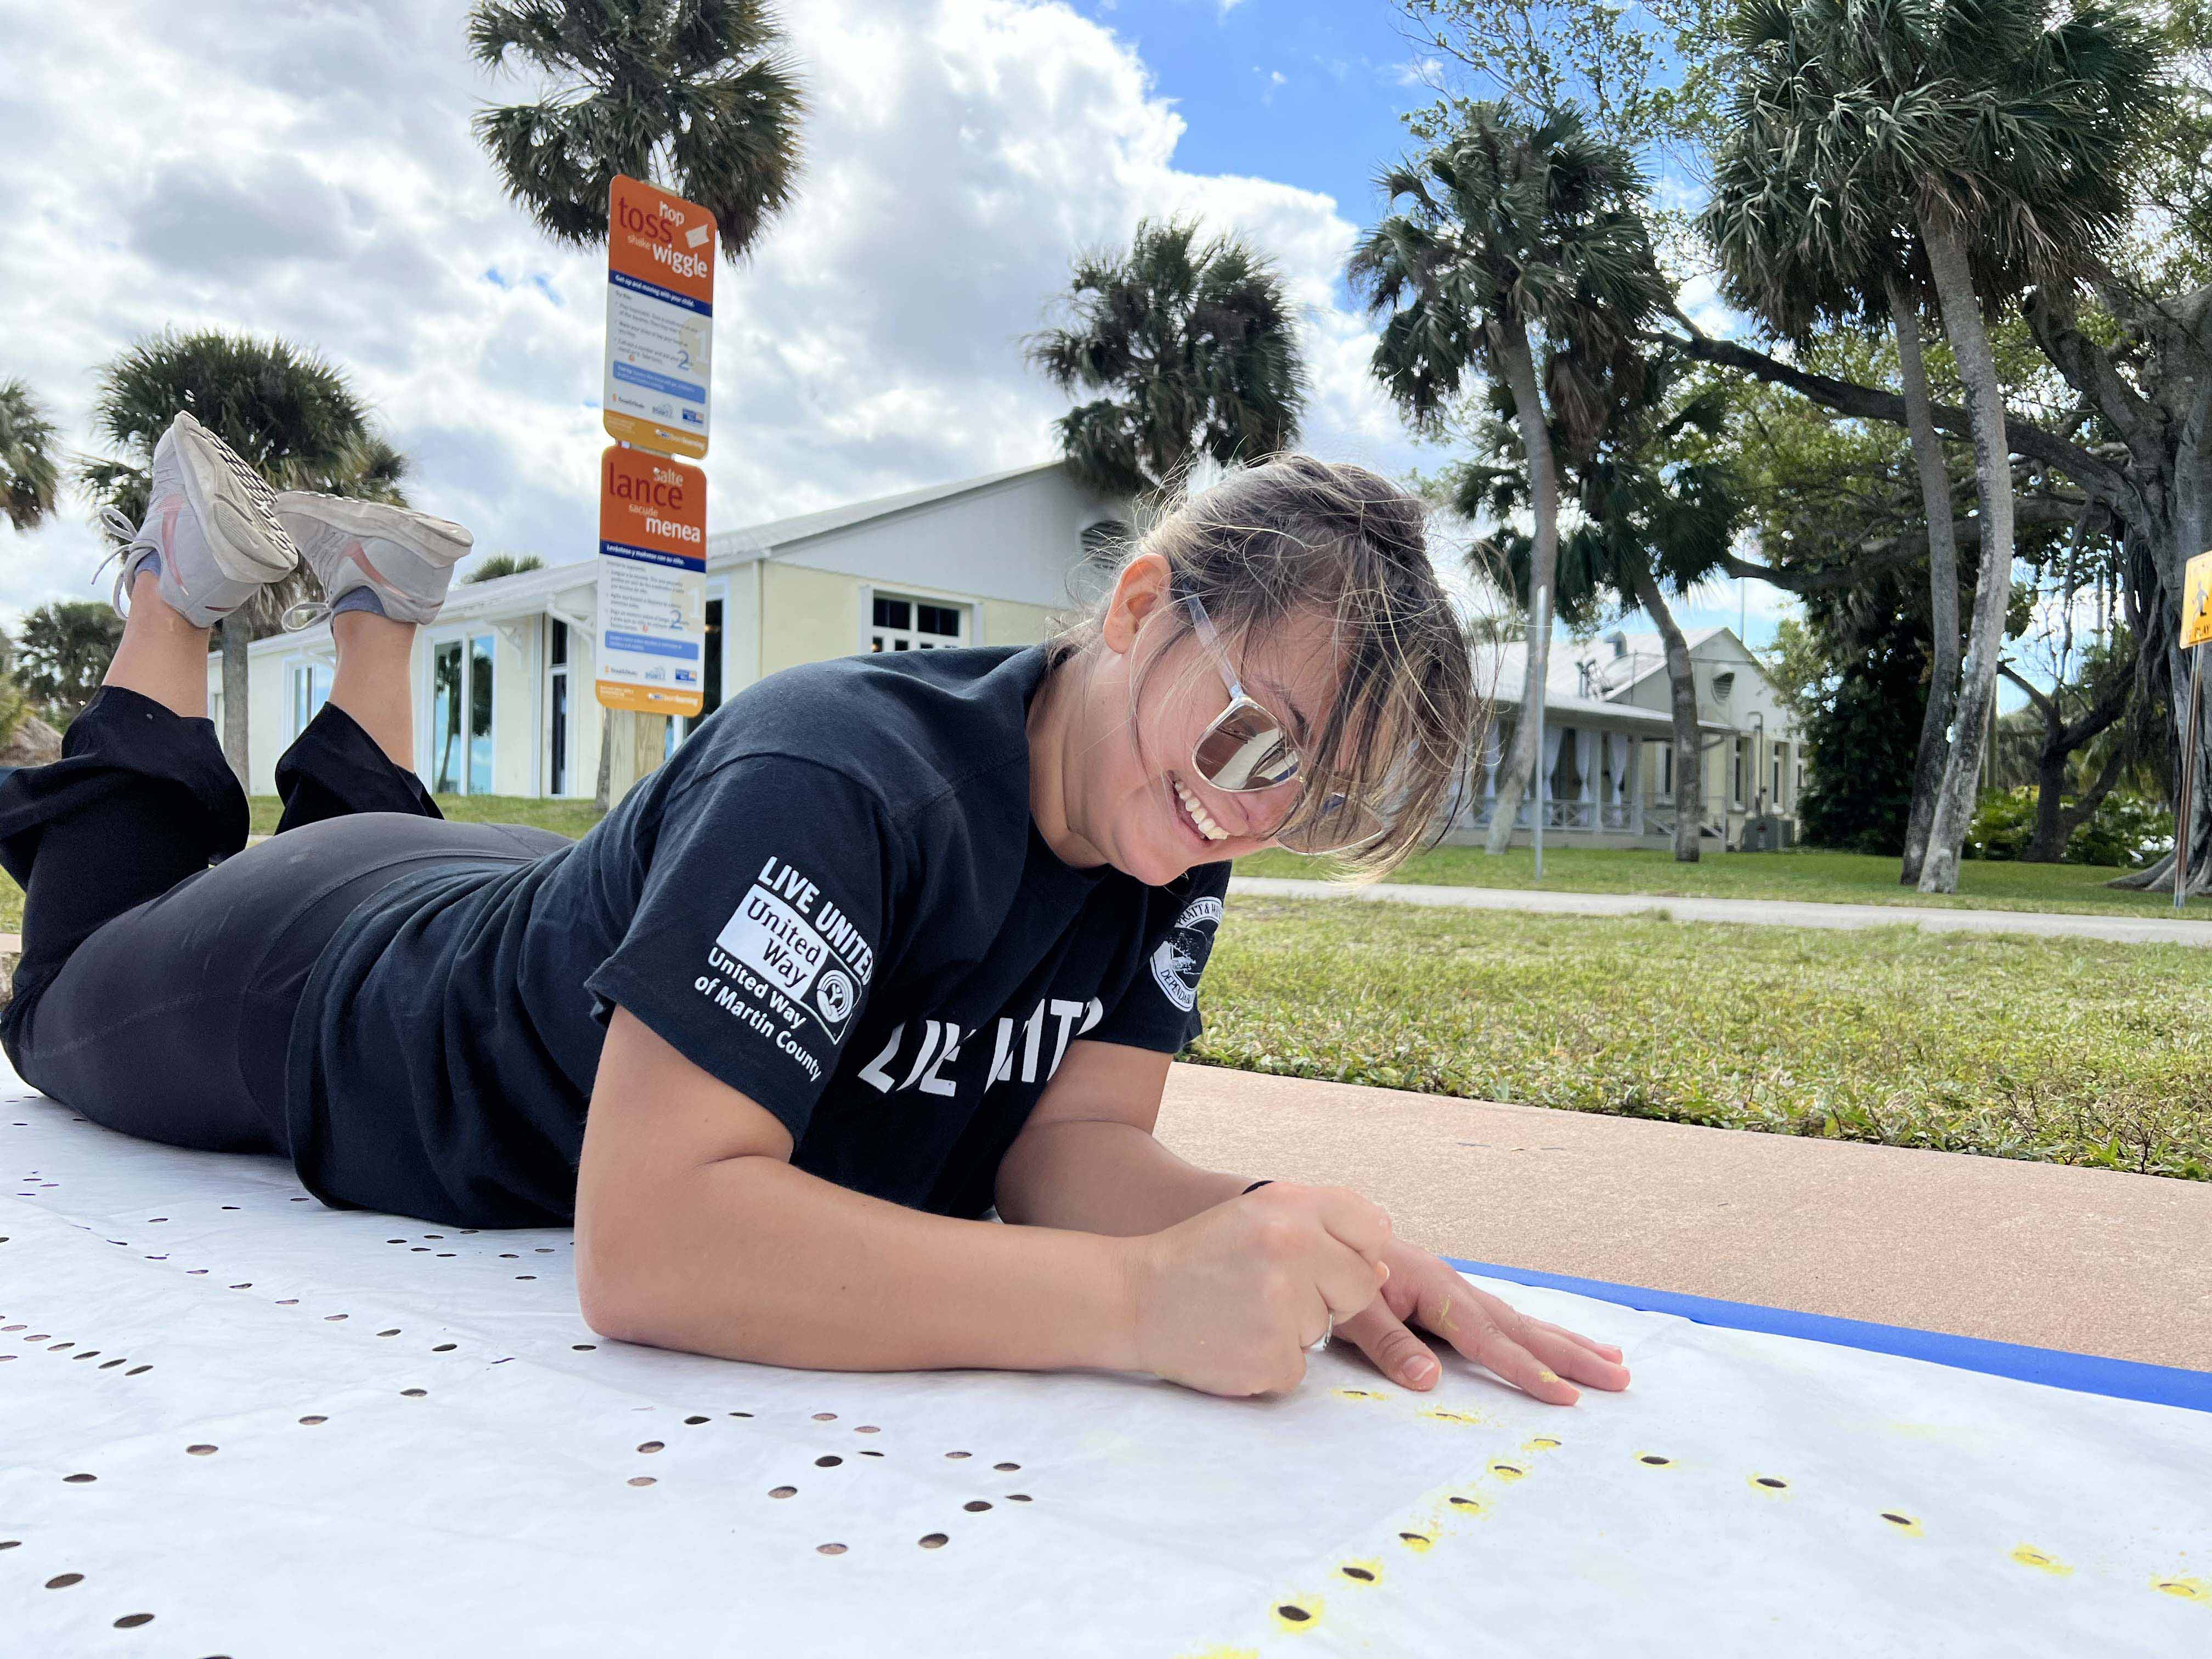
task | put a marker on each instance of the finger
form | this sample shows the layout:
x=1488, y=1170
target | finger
x=1358, y=1222
x=1603, y=1349
x=1571, y=1358
x=1399, y=1353
x=1476, y=1327
x=1348, y=1281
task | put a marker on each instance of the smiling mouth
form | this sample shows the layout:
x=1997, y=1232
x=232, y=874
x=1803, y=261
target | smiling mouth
x=1194, y=813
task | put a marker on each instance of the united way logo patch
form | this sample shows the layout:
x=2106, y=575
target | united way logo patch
x=1180, y=957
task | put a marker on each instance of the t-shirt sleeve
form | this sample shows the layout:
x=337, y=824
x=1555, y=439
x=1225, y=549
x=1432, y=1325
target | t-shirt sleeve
x=762, y=907
x=1160, y=1008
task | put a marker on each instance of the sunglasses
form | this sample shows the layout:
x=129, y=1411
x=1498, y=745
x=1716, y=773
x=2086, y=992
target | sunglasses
x=1246, y=749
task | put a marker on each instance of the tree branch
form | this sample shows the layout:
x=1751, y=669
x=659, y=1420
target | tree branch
x=1865, y=403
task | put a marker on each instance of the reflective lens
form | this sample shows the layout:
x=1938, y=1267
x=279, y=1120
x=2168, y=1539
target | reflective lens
x=1244, y=749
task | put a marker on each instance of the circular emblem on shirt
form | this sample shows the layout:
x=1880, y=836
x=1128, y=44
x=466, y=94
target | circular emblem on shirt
x=1180, y=958
x=832, y=994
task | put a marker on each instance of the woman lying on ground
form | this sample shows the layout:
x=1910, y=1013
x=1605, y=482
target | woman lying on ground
x=888, y=940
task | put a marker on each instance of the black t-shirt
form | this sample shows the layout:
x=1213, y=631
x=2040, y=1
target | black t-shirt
x=832, y=898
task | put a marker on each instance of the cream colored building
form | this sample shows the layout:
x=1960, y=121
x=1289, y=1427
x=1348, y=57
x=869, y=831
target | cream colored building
x=503, y=679
x=1609, y=765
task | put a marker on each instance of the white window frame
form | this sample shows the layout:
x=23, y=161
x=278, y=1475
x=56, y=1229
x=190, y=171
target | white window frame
x=461, y=634
x=294, y=668
x=565, y=671
x=964, y=609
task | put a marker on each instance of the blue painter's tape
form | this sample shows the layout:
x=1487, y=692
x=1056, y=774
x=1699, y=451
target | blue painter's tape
x=2121, y=1379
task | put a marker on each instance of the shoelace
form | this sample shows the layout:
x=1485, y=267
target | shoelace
x=129, y=538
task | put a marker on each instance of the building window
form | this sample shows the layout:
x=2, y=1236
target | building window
x=480, y=662
x=1667, y=773
x=916, y=624
x=1735, y=776
x=460, y=716
x=1774, y=798
x=556, y=701
x=311, y=689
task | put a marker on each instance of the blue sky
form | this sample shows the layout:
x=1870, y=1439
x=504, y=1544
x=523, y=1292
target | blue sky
x=1307, y=92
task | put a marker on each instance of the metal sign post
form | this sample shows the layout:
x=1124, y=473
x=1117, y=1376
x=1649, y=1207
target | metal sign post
x=2196, y=630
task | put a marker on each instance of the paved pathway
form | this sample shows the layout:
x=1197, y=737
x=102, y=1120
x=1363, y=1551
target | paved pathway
x=1766, y=913
x=2057, y=1257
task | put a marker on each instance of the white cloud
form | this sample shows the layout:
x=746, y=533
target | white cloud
x=312, y=174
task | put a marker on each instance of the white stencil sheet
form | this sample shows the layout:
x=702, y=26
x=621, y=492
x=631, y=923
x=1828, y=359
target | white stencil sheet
x=237, y=1423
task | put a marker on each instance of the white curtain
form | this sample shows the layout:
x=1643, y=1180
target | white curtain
x=1493, y=752
x=1551, y=736
x=1616, y=765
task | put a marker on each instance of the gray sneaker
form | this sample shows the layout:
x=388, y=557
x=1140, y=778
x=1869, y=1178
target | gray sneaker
x=403, y=558
x=211, y=522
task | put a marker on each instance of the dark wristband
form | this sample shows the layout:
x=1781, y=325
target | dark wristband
x=1254, y=1187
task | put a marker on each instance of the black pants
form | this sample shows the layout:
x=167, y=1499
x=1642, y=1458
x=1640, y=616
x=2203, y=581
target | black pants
x=156, y=989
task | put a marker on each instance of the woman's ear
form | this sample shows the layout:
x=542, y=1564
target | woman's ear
x=1141, y=592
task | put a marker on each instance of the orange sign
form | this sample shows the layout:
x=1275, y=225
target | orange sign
x=660, y=319
x=653, y=583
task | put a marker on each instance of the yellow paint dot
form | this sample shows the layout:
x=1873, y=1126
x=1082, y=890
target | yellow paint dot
x=2028, y=1556
x=1469, y=1505
x=1363, y=1572
x=1301, y=1614
x=2189, y=1590
x=1222, y=1653
x=1358, y=1394
x=1902, y=1522
x=1540, y=1444
x=1507, y=1471
x=1416, y=1540
x=1773, y=1486
x=1446, y=1414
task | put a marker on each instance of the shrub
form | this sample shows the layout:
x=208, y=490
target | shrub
x=2125, y=829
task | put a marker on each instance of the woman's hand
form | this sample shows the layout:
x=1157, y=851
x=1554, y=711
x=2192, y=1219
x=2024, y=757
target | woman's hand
x=1228, y=1301
x=1540, y=1359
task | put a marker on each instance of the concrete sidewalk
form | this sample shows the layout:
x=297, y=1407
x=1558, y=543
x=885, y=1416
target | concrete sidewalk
x=1763, y=913
x=2057, y=1257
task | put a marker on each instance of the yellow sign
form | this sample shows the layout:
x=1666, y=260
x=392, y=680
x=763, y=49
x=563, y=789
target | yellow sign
x=2197, y=601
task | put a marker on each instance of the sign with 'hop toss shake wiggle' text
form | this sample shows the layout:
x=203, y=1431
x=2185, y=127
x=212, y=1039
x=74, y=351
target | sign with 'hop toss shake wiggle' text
x=660, y=319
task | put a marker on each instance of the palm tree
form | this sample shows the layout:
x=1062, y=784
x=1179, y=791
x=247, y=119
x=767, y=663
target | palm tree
x=2001, y=131
x=30, y=478
x=690, y=95
x=1514, y=227
x=1657, y=508
x=1199, y=344
x=1792, y=255
x=285, y=410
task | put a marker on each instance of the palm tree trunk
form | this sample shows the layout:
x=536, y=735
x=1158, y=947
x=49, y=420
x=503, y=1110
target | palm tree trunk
x=1946, y=242
x=237, y=700
x=1942, y=582
x=1510, y=337
x=1682, y=688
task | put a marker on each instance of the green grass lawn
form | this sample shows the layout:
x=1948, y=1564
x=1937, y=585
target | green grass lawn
x=2060, y=1050
x=570, y=817
x=1800, y=874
